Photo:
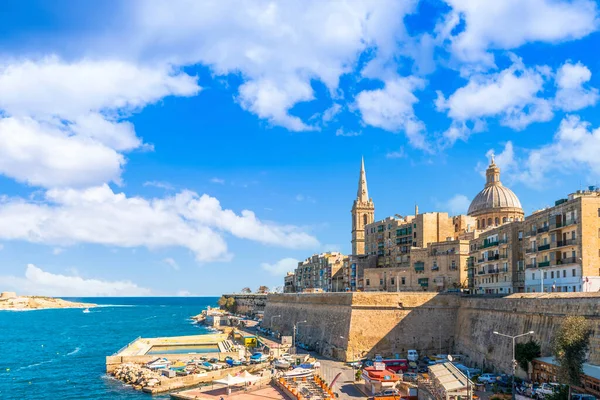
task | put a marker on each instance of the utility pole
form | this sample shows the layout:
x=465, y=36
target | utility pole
x=514, y=361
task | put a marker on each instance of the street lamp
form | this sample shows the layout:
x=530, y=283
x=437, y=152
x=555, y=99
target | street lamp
x=514, y=361
x=294, y=334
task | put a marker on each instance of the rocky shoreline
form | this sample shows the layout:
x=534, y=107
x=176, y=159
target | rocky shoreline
x=137, y=376
x=11, y=302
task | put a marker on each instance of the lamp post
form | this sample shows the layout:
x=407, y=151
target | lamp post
x=294, y=334
x=514, y=361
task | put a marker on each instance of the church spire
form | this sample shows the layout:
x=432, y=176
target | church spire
x=492, y=174
x=363, y=193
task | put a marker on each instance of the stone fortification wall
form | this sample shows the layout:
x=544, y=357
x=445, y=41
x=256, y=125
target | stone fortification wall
x=478, y=318
x=251, y=304
x=349, y=325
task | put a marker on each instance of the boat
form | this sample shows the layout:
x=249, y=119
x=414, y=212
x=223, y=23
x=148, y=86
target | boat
x=298, y=373
x=281, y=363
x=87, y=310
x=232, y=363
x=159, y=363
x=257, y=358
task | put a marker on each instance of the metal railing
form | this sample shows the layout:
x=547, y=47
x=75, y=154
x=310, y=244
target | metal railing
x=126, y=346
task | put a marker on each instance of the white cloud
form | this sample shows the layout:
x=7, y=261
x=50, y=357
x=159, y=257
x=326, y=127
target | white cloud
x=281, y=267
x=511, y=94
x=509, y=24
x=301, y=197
x=278, y=49
x=185, y=293
x=57, y=250
x=458, y=204
x=42, y=154
x=42, y=283
x=331, y=113
x=218, y=180
x=171, y=263
x=160, y=185
x=571, y=94
x=391, y=108
x=60, y=122
x=342, y=132
x=97, y=215
x=575, y=148
x=396, y=154
x=52, y=87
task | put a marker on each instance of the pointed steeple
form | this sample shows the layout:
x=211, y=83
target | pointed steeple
x=363, y=193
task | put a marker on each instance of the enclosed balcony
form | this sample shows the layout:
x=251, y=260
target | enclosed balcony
x=544, y=247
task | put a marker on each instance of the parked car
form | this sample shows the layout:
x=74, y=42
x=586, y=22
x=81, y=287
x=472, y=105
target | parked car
x=545, y=389
x=409, y=377
x=388, y=392
x=257, y=358
x=580, y=396
x=412, y=355
x=423, y=369
x=487, y=378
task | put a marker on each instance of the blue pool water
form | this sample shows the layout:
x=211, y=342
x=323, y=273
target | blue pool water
x=183, y=349
x=60, y=354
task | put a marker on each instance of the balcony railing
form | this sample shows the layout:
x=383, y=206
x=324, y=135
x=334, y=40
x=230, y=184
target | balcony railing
x=480, y=260
x=530, y=250
x=480, y=272
x=529, y=266
x=544, y=247
x=543, y=229
x=503, y=256
x=493, y=271
x=544, y=264
x=568, y=242
x=556, y=225
x=567, y=260
x=487, y=244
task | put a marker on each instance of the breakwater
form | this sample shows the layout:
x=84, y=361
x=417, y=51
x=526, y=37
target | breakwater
x=350, y=325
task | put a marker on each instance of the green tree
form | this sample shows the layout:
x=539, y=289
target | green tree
x=263, y=289
x=230, y=304
x=561, y=394
x=570, y=345
x=526, y=352
x=222, y=302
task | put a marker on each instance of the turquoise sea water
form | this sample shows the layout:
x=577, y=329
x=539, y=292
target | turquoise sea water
x=60, y=354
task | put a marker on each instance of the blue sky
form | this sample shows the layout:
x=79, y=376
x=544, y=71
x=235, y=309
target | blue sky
x=193, y=148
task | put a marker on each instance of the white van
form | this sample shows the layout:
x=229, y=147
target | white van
x=412, y=355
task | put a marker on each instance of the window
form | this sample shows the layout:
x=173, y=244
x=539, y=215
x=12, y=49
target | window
x=504, y=221
x=478, y=227
x=403, y=280
x=368, y=282
x=393, y=281
x=564, y=273
x=380, y=282
x=497, y=221
x=552, y=275
x=453, y=266
x=545, y=275
x=489, y=221
x=532, y=277
x=574, y=272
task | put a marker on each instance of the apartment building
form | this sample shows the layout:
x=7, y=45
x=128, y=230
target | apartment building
x=497, y=260
x=320, y=271
x=562, y=245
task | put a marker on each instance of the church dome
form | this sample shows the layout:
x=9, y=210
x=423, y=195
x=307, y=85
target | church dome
x=494, y=197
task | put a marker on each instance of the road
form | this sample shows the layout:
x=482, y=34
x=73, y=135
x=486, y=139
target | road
x=344, y=385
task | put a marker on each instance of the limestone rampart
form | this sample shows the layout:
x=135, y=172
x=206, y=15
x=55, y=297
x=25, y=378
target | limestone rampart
x=350, y=325
x=251, y=304
x=478, y=318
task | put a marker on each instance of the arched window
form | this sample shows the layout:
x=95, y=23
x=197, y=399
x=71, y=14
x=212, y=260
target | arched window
x=504, y=220
x=456, y=228
x=354, y=221
x=365, y=219
x=497, y=221
x=482, y=223
x=489, y=222
x=478, y=223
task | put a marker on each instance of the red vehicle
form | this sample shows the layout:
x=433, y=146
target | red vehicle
x=396, y=365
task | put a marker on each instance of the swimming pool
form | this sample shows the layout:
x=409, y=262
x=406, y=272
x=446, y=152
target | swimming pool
x=184, y=349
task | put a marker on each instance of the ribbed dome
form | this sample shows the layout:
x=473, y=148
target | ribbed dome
x=494, y=197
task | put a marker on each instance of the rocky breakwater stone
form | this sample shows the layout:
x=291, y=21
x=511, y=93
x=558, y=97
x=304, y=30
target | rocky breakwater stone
x=137, y=376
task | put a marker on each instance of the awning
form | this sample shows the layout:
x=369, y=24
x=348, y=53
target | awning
x=230, y=380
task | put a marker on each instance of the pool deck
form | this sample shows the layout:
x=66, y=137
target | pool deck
x=265, y=393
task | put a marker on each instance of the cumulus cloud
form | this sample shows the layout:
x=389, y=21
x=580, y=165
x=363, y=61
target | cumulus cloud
x=60, y=121
x=575, y=147
x=396, y=154
x=98, y=215
x=160, y=185
x=342, y=132
x=391, y=108
x=509, y=24
x=511, y=95
x=571, y=94
x=281, y=267
x=42, y=283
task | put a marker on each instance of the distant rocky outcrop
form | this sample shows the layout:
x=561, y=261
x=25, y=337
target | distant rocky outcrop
x=137, y=376
x=10, y=301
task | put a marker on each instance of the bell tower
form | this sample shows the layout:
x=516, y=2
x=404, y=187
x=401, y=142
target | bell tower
x=363, y=212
